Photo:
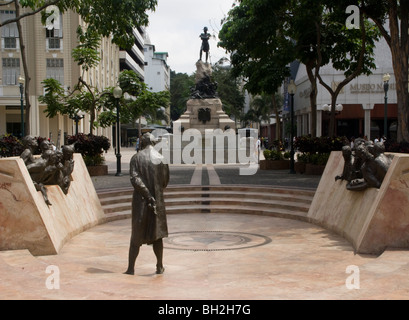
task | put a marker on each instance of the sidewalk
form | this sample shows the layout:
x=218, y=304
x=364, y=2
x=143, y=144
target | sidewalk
x=204, y=174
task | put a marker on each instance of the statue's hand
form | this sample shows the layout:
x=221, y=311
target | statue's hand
x=151, y=200
x=152, y=204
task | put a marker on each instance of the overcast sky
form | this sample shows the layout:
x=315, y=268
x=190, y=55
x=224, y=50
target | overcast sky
x=176, y=25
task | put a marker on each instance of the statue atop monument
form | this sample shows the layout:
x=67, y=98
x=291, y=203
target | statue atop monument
x=204, y=88
x=205, y=44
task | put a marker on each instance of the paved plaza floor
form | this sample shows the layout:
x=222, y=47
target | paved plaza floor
x=209, y=256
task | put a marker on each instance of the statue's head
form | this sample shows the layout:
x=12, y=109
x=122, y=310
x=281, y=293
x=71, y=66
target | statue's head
x=45, y=145
x=148, y=139
x=346, y=151
x=29, y=141
x=205, y=29
x=68, y=151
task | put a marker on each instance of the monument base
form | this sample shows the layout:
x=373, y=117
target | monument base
x=373, y=219
x=26, y=222
x=218, y=118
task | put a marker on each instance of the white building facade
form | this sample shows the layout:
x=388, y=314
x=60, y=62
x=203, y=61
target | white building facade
x=362, y=101
x=48, y=56
x=157, y=70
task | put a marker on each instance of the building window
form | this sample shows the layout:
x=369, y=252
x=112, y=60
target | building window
x=9, y=32
x=53, y=34
x=53, y=40
x=55, y=69
x=10, y=43
x=11, y=70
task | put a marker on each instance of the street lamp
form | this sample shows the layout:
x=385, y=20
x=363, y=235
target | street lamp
x=78, y=116
x=386, y=77
x=292, y=89
x=21, y=82
x=338, y=108
x=117, y=95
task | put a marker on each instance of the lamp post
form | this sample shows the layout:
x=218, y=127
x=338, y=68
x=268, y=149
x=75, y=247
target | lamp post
x=77, y=118
x=292, y=89
x=117, y=95
x=21, y=82
x=386, y=77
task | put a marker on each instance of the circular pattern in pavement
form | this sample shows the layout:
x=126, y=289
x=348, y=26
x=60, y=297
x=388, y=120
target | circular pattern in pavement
x=214, y=240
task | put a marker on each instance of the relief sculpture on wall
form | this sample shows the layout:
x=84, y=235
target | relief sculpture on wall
x=365, y=165
x=53, y=167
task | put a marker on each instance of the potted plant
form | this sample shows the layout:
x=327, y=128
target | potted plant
x=315, y=151
x=10, y=146
x=317, y=163
x=274, y=160
x=92, y=148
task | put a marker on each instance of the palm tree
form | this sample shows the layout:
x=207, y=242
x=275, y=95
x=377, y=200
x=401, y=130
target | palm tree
x=261, y=109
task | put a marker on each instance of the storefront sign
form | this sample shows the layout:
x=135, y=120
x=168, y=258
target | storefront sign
x=369, y=88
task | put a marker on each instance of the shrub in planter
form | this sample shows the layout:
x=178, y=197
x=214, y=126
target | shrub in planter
x=395, y=147
x=274, y=160
x=277, y=145
x=320, y=159
x=91, y=148
x=308, y=144
x=273, y=155
x=10, y=146
x=312, y=163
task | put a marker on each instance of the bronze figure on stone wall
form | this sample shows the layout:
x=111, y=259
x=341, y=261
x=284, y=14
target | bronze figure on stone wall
x=53, y=167
x=365, y=165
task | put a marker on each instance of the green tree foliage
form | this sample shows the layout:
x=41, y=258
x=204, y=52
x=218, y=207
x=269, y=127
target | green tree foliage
x=229, y=91
x=392, y=19
x=260, y=51
x=139, y=102
x=180, y=84
x=264, y=36
x=262, y=107
x=103, y=18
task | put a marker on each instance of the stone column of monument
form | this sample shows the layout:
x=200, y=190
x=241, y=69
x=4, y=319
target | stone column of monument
x=204, y=113
x=204, y=108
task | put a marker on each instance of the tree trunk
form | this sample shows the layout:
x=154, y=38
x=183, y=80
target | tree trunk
x=398, y=41
x=334, y=93
x=277, y=116
x=400, y=67
x=25, y=69
x=313, y=99
x=332, y=132
x=399, y=45
x=91, y=121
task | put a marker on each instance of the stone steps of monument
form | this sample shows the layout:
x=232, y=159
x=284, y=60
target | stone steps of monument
x=222, y=201
x=273, y=212
x=118, y=196
x=290, y=203
x=248, y=193
x=123, y=202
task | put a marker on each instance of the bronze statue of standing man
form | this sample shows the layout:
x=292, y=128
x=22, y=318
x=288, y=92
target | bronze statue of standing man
x=149, y=177
x=205, y=44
